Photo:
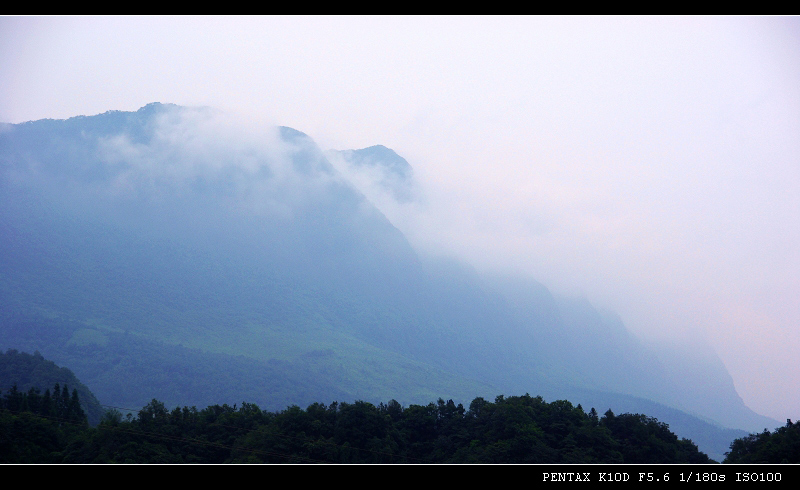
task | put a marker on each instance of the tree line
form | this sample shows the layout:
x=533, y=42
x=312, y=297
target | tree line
x=53, y=427
x=780, y=446
x=516, y=429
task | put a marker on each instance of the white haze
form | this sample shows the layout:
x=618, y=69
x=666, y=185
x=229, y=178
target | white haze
x=650, y=164
x=199, y=146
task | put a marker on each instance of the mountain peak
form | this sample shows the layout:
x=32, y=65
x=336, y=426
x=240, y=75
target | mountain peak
x=156, y=107
x=291, y=134
x=379, y=155
x=379, y=165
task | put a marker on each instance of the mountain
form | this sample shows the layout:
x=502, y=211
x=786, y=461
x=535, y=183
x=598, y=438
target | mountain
x=378, y=165
x=167, y=226
x=33, y=372
x=173, y=253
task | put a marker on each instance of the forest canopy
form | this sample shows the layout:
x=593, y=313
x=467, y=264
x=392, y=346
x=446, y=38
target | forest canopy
x=516, y=429
x=781, y=446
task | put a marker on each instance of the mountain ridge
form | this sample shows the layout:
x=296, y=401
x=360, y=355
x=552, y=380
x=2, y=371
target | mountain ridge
x=176, y=227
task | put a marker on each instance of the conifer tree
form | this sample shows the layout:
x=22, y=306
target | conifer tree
x=46, y=407
x=75, y=412
x=58, y=410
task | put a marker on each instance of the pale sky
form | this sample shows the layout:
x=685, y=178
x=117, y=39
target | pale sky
x=651, y=164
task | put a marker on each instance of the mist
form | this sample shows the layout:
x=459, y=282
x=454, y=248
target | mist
x=650, y=165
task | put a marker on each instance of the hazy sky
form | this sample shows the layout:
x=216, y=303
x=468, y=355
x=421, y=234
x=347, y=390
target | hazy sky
x=651, y=164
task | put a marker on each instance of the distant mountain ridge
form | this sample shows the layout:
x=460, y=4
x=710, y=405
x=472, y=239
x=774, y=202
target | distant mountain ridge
x=170, y=229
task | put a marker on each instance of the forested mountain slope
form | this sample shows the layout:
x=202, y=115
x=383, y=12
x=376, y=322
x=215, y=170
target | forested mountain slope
x=32, y=374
